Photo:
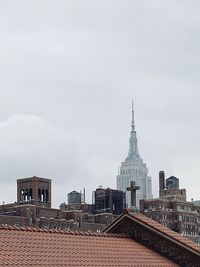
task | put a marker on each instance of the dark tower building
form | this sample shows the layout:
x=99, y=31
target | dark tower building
x=161, y=183
x=35, y=190
x=109, y=200
x=100, y=200
x=74, y=198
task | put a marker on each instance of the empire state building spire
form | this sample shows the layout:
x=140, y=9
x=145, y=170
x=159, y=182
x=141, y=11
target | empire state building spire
x=133, y=169
x=133, y=123
x=133, y=146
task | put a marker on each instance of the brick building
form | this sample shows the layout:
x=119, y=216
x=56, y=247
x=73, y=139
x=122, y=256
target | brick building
x=172, y=209
x=33, y=208
x=35, y=190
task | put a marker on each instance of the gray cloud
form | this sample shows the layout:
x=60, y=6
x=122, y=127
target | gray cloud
x=69, y=70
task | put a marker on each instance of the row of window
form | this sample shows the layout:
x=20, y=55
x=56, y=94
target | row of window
x=190, y=226
x=167, y=217
x=185, y=233
x=188, y=218
x=184, y=218
x=56, y=226
x=186, y=208
x=132, y=171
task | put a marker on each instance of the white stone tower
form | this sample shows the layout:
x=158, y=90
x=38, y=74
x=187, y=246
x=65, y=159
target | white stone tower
x=134, y=169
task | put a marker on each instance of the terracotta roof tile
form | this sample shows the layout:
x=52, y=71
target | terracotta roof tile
x=35, y=247
x=168, y=232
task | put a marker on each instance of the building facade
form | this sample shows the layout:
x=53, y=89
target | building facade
x=172, y=209
x=109, y=200
x=134, y=169
x=36, y=190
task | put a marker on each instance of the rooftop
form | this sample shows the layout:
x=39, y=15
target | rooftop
x=39, y=247
x=168, y=232
x=34, y=178
x=157, y=237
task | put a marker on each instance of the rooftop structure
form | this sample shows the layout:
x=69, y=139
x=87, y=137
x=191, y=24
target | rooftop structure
x=36, y=190
x=74, y=197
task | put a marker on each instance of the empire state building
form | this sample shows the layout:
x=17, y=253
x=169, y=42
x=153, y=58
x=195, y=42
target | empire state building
x=134, y=169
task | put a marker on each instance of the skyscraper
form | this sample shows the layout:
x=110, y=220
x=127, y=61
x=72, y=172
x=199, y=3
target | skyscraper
x=134, y=169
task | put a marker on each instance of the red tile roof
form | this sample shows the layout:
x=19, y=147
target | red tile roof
x=168, y=232
x=54, y=248
x=157, y=237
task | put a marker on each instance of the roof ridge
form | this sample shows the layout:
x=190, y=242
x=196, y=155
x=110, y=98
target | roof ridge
x=59, y=231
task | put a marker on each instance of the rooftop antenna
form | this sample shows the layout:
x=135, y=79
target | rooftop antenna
x=84, y=195
x=133, y=119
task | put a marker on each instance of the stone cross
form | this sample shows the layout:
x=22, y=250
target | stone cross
x=133, y=189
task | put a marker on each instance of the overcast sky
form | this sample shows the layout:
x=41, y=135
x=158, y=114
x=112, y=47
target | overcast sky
x=68, y=73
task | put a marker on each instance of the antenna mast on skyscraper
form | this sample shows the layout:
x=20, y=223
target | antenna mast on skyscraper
x=133, y=121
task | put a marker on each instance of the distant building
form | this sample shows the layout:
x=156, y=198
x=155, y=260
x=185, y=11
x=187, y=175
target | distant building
x=35, y=190
x=33, y=208
x=197, y=202
x=76, y=201
x=109, y=200
x=74, y=198
x=84, y=207
x=172, y=210
x=134, y=169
